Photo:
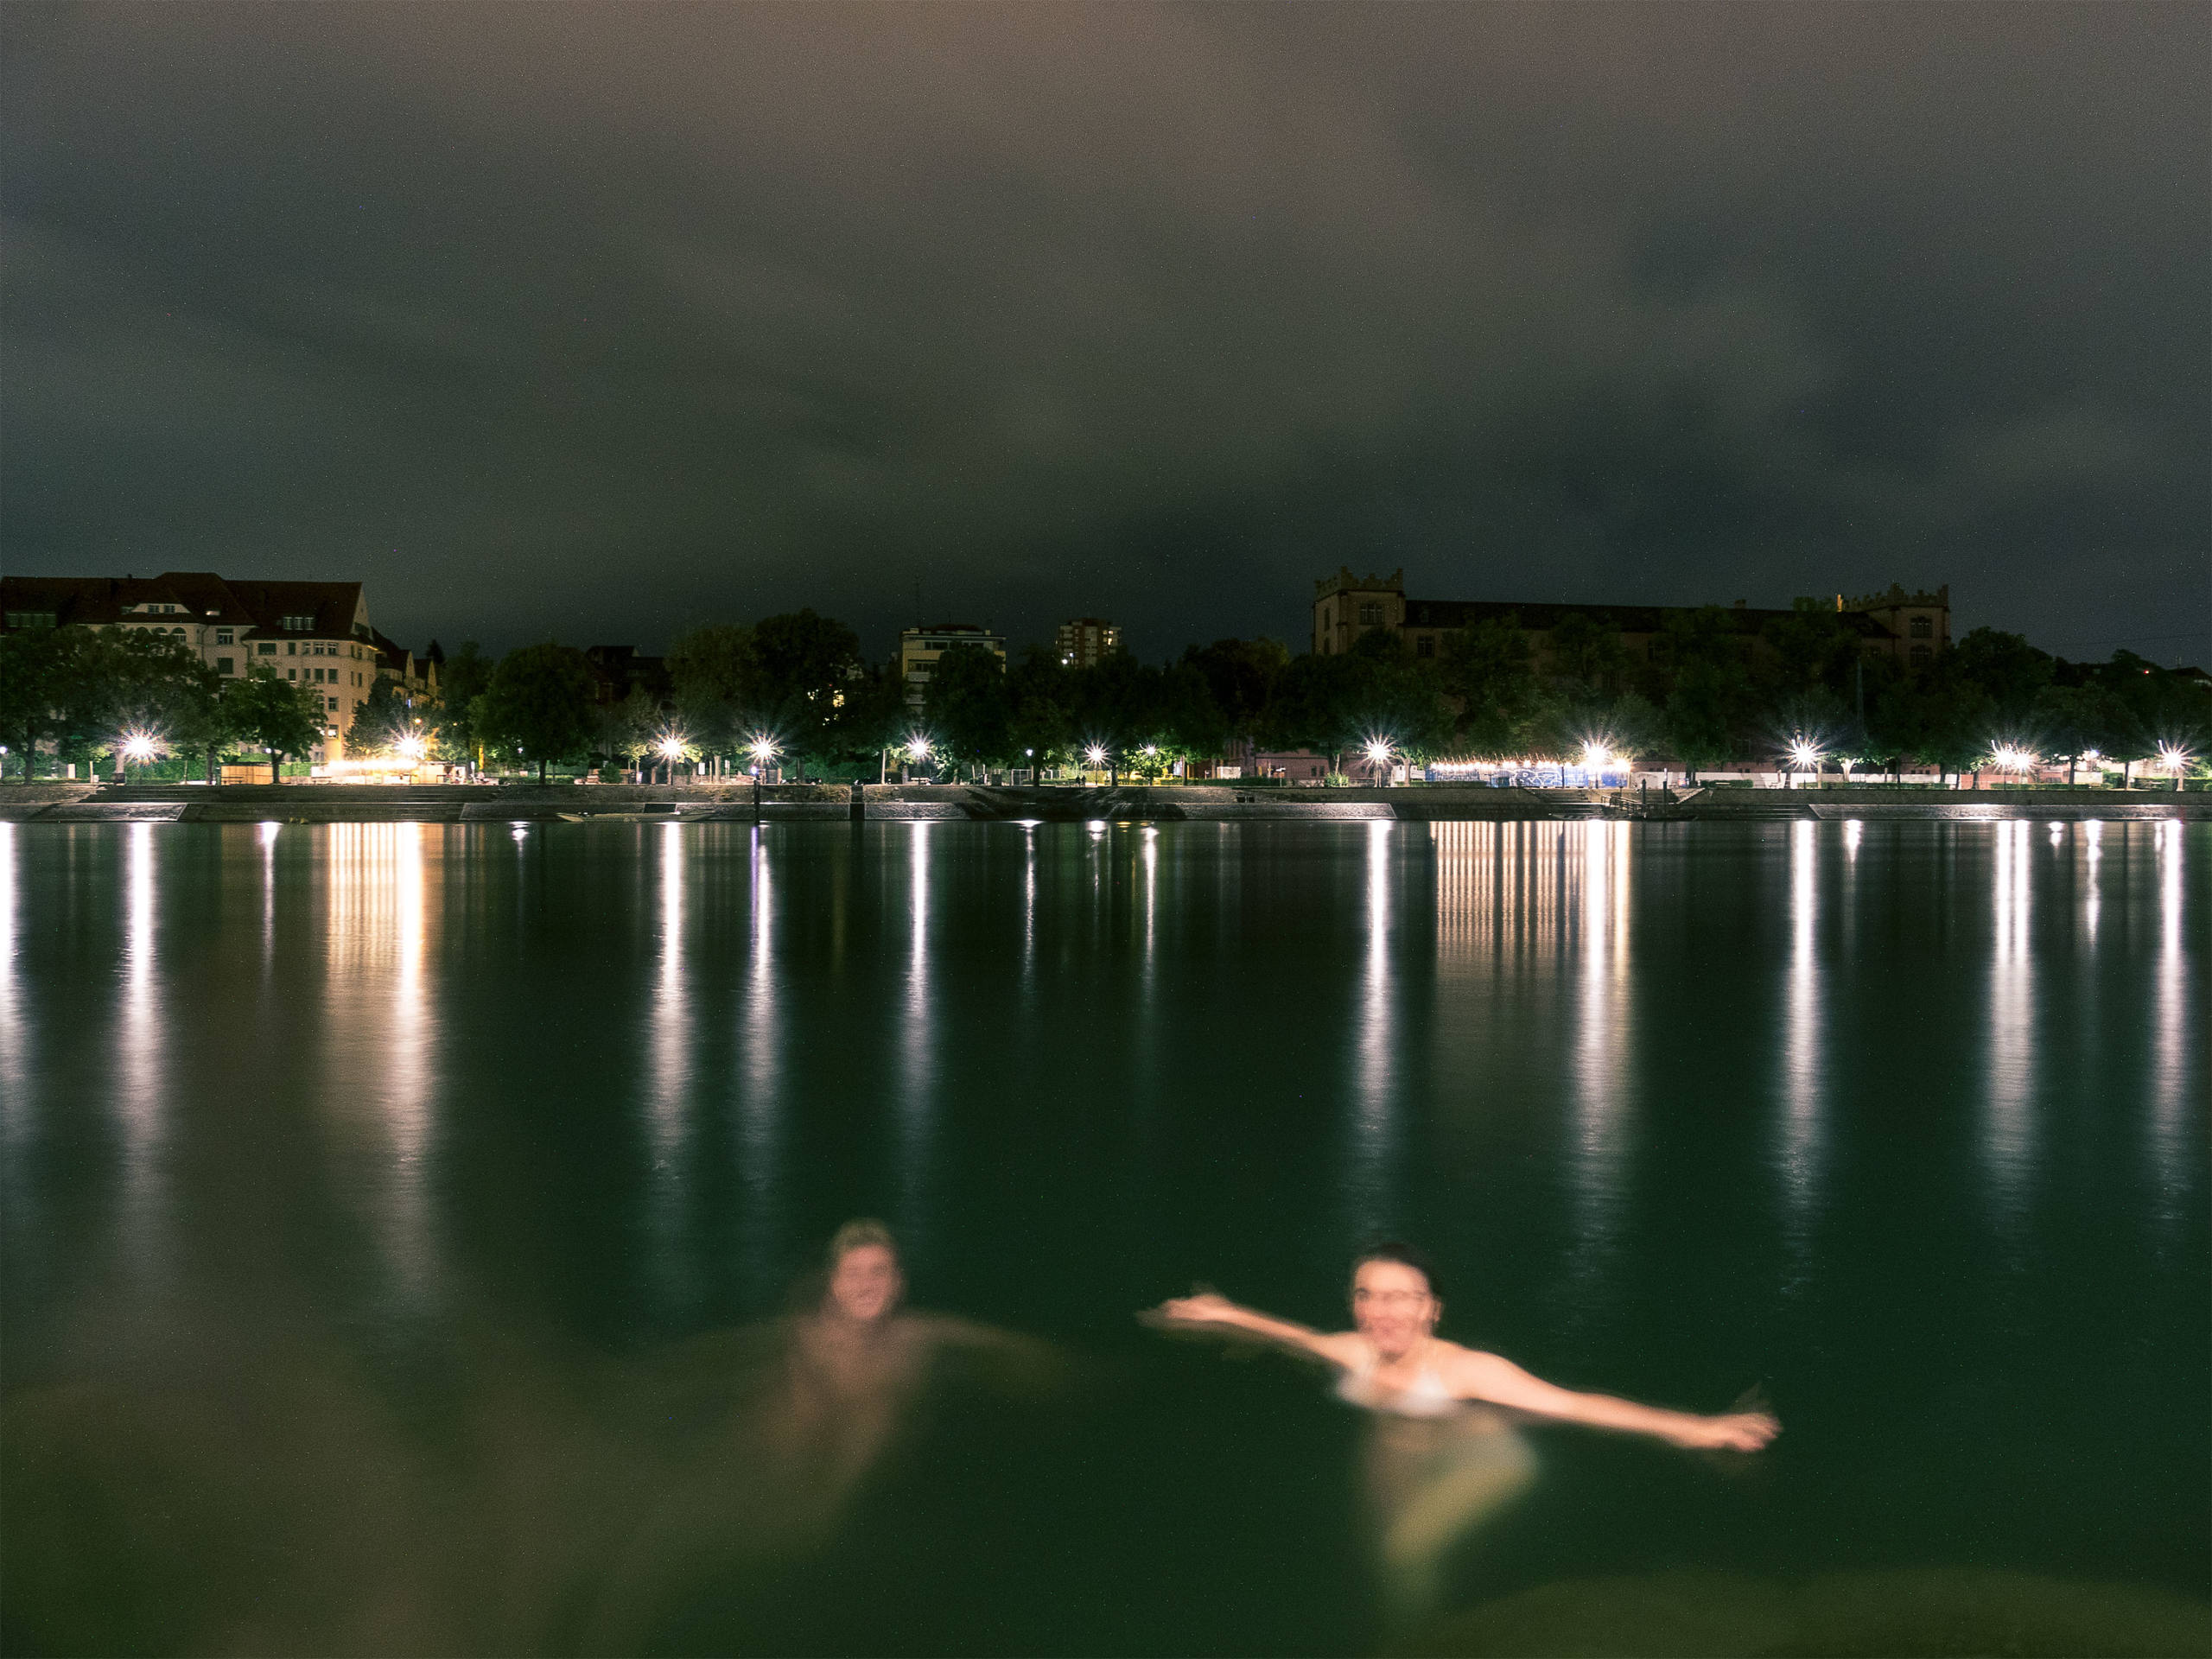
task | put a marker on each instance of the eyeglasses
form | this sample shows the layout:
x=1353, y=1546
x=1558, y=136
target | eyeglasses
x=1390, y=1298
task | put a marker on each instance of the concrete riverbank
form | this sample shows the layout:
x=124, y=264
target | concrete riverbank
x=82, y=802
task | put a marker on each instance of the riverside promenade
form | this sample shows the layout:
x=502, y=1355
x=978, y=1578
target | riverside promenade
x=516, y=803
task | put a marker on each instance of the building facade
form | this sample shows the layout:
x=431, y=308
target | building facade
x=920, y=648
x=314, y=634
x=1086, y=641
x=1909, y=628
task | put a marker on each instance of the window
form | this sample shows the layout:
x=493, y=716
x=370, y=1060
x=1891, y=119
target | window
x=1922, y=627
x=292, y=673
x=334, y=705
x=223, y=665
x=299, y=624
x=291, y=647
x=1920, y=655
x=268, y=648
x=222, y=636
x=1371, y=614
x=31, y=619
x=1425, y=645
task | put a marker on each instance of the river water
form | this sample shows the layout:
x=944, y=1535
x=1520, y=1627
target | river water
x=372, y=1190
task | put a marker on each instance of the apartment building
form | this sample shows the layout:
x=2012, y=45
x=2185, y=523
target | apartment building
x=919, y=649
x=1087, y=641
x=314, y=634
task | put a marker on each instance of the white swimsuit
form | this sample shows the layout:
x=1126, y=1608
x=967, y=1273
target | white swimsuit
x=1424, y=1397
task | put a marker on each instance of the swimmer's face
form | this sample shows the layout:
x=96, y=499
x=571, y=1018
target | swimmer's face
x=866, y=1282
x=1391, y=1304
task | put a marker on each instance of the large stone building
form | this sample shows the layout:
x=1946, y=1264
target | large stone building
x=920, y=648
x=1909, y=628
x=311, y=633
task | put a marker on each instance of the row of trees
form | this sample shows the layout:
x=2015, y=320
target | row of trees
x=78, y=692
x=1706, y=694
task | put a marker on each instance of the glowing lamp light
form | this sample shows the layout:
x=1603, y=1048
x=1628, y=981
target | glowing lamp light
x=763, y=748
x=1378, y=751
x=1596, y=757
x=1096, y=755
x=409, y=749
x=670, y=747
x=138, y=747
x=917, y=747
x=1804, y=754
x=2008, y=756
x=2174, y=758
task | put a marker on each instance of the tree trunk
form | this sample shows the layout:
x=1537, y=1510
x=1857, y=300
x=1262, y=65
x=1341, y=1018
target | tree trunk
x=541, y=769
x=275, y=766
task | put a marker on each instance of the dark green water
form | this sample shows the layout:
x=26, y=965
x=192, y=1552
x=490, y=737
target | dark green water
x=363, y=1183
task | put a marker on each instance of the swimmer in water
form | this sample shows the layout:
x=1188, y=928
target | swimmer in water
x=779, y=1425
x=1444, y=1456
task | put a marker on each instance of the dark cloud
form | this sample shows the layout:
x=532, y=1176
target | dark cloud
x=600, y=319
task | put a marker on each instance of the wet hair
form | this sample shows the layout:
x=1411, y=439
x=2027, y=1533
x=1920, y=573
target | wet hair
x=859, y=1235
x=1405, y=1256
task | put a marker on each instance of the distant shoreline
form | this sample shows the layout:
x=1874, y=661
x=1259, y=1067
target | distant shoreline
x=79, y=803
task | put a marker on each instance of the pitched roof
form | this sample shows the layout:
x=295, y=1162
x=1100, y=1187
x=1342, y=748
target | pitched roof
x=260, y=606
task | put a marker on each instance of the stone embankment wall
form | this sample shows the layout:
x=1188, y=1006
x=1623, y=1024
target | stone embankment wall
x=784, y=803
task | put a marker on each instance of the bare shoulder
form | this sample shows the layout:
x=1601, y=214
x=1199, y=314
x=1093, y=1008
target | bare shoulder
x=1477, y=1372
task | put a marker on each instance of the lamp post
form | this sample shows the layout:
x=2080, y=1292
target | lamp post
x=1804, y=756
x=1380, y=752
x=138, y=745
x=671, y=748
x=763, y=747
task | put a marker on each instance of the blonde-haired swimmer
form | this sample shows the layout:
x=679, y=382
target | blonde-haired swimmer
x=1444, y=1455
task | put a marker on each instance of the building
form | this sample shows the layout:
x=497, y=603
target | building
x=313, y=633
x=1087, y=641
x=616, y=670
x=920, y=648
x=413, y=677
x=1908, y=628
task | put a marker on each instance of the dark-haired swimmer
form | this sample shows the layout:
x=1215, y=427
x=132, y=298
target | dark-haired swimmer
x=1444, y=1456
x=781, y=1423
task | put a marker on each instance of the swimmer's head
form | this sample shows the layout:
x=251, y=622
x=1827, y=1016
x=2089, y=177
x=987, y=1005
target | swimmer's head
x=1393, y=1300
x=865, y=1282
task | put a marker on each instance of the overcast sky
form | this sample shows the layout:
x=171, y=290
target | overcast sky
x=599, y=320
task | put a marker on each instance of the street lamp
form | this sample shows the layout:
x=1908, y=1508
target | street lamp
x=918, y=750
x=1805, y=754
x=2011, y=757
x=137, y=745
x=764, y=750
x=671, y=749
x=2175, y=758
x=1380, y=751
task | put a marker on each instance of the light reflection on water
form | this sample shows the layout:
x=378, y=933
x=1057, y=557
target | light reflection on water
x=2009, y=1130
x=1492, y=1035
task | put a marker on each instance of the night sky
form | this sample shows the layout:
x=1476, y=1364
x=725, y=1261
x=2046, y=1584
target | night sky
x=600, y=320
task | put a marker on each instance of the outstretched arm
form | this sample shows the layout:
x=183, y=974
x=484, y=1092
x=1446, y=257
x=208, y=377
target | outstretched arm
x=1206, y=1311
x=1501, y=1382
